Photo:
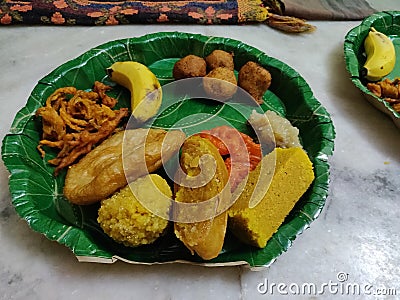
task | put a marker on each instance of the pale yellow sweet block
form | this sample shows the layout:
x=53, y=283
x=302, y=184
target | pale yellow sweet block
x=293, y=175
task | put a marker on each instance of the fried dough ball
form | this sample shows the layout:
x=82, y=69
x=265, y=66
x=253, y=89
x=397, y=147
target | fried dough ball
x=220, y=58
x=220, y=83
x=189, y=66
x=255, y=80
x=123, y=218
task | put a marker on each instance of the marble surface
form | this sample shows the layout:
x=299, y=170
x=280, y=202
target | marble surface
x=356, y=235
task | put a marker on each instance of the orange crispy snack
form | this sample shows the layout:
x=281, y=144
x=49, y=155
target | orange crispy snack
x=74, y=121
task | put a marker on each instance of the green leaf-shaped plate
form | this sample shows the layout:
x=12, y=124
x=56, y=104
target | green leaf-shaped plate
x=38, y=196
x=387, y=22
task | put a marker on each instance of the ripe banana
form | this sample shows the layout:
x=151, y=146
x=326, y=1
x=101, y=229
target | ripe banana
x=381, y=56
x=146, y=92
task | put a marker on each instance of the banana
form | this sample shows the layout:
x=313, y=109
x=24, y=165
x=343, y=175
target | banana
x=145, y=89
x=381, y=56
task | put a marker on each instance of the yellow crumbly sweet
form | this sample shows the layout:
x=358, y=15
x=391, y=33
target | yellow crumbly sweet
x=125, y=220
x=292, y=177
x=206, y=237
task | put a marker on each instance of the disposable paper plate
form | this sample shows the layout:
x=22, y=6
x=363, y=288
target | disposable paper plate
x=388, y=23
x=37, y=194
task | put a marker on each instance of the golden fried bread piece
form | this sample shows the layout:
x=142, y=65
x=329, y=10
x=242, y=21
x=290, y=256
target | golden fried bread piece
x=220, y=58
x=292, y=177
x=220, y=83
x=255, y=80
x=206, y=237
x=120, y=159
x=124, y=218
x=189, y=66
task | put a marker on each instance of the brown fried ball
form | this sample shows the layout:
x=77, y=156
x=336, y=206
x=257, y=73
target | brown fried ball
x=220, y=58
x=189, y=66
x=220, y=83
x=255, y=80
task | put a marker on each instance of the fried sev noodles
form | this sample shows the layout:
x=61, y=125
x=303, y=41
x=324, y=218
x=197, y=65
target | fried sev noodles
x=74, y=121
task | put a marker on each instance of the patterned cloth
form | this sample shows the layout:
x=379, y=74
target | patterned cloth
x=113, y=12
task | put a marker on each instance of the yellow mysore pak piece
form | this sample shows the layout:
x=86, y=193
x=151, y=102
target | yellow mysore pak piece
x=293, y=175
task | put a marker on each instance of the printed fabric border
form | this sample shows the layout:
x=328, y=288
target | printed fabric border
x=85, y=12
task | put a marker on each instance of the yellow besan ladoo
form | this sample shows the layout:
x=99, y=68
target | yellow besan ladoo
x=292, y=176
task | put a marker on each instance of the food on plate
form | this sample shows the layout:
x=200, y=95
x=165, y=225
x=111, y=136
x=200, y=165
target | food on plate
x=284, y=134
x=388, y=90
x=220, y=58
x=241, y=154
x=205, y=177
x=217, y=166
x=145, y=89
x=74, y=121
x=381, y=55
x=255, y=80
x=120, y=159
x=220, y=83
x=127, y=221
x=101, y=89
x=189, y=66
x=292, y=176
x=252, y=77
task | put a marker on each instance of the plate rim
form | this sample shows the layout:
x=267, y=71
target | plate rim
x=15, y=130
